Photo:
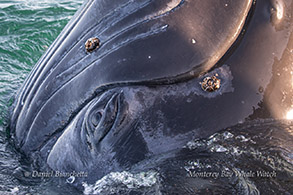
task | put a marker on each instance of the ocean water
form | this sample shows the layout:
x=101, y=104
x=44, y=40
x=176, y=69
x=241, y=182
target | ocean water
x=27, y=28
x=255, y=157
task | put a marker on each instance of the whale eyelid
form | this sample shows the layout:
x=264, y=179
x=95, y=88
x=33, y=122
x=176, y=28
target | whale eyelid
x=107, y=106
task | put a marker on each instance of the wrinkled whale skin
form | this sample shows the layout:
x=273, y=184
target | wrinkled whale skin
x=139, y=94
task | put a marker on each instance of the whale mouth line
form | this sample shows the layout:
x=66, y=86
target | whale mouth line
x=238, y=39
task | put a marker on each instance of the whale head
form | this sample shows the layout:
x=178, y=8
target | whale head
x=129, y=79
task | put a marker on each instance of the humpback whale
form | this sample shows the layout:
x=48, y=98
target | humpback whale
x=126, y=80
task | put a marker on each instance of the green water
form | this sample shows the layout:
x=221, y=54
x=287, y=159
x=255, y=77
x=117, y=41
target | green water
x=27, y=28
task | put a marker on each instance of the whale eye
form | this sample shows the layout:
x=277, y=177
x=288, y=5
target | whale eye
x=96, y=118
x=103, y=116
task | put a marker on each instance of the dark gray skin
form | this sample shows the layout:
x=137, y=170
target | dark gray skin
x=139, y=94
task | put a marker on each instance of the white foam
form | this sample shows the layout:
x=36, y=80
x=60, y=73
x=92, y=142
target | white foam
x=115, y=181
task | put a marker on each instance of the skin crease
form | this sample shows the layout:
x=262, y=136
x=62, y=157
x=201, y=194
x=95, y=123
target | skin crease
x=122, y=124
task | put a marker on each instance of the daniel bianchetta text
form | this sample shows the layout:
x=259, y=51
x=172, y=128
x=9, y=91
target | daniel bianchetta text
x=47, y=174
x=234, y=173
